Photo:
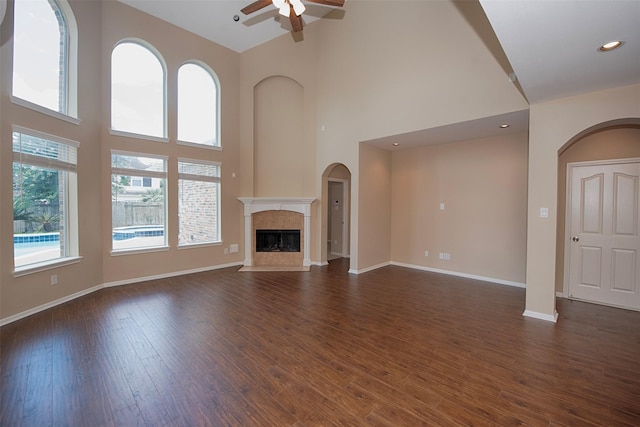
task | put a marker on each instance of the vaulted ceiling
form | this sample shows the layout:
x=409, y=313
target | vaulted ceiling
x=551, y=46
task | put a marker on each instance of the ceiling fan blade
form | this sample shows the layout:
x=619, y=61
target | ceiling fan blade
x=337, y=3
x=296, y=21
x=255, y=6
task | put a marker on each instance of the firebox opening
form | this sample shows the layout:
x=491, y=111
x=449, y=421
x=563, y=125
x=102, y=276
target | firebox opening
x=277, y=240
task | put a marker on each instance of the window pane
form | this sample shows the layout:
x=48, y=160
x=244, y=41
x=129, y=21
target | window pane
x=137, y=91
x=41, y=199
x=198, y=203
x=197, y=106
x=138, y=211
x=39, y=60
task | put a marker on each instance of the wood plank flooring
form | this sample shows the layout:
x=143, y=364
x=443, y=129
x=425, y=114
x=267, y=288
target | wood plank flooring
x=392, y=347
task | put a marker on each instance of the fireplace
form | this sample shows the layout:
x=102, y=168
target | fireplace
x=277, y=240
x=277, y=233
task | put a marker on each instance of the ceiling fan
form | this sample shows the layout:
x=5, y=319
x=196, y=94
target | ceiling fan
x=290, y=8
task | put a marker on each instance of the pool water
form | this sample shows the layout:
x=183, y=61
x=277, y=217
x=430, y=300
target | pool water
x=28, y=248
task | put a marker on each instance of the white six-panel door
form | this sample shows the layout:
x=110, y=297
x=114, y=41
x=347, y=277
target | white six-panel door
x=603, y=224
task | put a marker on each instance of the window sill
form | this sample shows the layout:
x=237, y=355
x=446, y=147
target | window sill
x=44, y=110
x=43, y=266
x=135, y=251
x=197, y=145
x=125, y=134
x=198, y=245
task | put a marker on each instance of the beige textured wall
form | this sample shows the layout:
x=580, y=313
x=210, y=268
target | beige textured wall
x=361, y=80
x=18, y=294
x=379, y=74
x=616, y=142
x=101, y=25
x=177, y=47
x=552, y=125
x=375, y=203
x=483, y=185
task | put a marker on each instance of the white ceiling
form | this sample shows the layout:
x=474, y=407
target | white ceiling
x=552, y=46
x=213, y=19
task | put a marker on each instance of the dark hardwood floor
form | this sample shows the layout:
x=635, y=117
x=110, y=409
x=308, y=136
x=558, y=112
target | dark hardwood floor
x=392, y=347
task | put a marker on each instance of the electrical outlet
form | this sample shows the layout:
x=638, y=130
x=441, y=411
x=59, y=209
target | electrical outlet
x=54, y=279
x=226, y=251
x=233, y=248
x=426, y=253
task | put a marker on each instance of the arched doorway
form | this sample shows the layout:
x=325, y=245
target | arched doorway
x=335, y=210
x=599, y=150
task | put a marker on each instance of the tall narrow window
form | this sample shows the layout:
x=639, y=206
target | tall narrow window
x=44, y=198
x=138, y=212
x=137, y=91
x=198, y=202
x=198, y=118
x=44, y=54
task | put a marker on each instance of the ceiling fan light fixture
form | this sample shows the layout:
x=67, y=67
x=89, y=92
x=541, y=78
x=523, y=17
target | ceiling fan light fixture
x=279, y=3
x=298, y=7
x=285, y=10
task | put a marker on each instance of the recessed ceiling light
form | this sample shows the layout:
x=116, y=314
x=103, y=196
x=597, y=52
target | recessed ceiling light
x=610, y=46
x=504, y=126
x=395, y=144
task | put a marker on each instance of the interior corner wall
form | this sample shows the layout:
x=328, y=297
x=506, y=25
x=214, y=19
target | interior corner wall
x=467, y=199
x=374, y=221
x=553, y=124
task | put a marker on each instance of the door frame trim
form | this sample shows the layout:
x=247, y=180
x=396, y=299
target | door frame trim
x=345, y=214
x=568, y=212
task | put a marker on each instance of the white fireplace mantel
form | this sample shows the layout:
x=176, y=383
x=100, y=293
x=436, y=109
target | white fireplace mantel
x=260, y=204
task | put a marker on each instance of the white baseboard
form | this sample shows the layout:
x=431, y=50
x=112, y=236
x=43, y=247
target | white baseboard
x=171, y=274
x=48, y=305
x=458, y=274
x=82, y=293
x=366, y=269
x=542, y=316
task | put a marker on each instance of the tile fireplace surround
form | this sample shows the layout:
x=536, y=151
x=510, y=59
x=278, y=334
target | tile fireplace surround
x=276, y=205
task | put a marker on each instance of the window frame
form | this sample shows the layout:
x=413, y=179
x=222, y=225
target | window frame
x=142, y=173
x=216, y=82
x=203, y=178
x=71, y=236
x=69, y=95
x=129, y=134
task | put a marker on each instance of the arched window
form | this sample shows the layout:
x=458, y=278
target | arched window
x=137, y=90
x=198, y=112
x=45, y=55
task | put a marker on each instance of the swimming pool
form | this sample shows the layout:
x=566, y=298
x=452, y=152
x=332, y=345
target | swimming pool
x=28, y=248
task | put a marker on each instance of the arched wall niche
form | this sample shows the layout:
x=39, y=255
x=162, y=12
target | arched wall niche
x=279, y=165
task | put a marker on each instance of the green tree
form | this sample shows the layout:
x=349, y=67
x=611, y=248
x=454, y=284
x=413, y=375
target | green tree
x=33, y=185
x=153, y=195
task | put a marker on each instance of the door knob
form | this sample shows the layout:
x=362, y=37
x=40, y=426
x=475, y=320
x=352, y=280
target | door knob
x=575, y=238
